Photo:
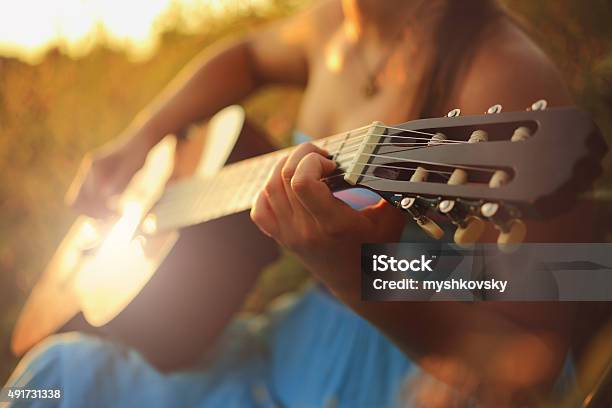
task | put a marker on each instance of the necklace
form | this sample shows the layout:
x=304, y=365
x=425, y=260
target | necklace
x=370, y=88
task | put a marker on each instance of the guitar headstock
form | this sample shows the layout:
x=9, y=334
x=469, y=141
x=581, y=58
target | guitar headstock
x=500, y=167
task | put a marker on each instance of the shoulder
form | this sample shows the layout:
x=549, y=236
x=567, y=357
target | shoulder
x=510, y=69
x=315, y=23
x=283, y=50
x=320, y=22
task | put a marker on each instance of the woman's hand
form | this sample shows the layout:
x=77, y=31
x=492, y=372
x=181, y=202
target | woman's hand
x=105, y=172
x=298, y=210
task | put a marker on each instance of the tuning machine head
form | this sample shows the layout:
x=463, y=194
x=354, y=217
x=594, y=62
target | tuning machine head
x=453, y=113
x=539, y=105
x=494, y=109
x=520, y=134
x=506, y=220
x=417, y=208
x=469, y=226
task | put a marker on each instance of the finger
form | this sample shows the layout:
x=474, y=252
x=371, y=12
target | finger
x=288, y=172
x=263, y=216
x=297, y=155
x=276, y=194
x=314, y=195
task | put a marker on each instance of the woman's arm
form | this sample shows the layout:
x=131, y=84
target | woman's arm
x=226, y=74
x=502, y=348
x=217, y=78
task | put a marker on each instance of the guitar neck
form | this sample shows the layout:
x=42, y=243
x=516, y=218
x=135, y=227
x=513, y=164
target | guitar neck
x=233, y=189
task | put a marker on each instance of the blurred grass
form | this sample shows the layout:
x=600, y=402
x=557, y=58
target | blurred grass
x=52, y=113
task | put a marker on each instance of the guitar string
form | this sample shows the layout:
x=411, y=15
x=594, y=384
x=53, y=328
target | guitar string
x=355, y=146
x=225, y=188
x=350, y=135
x=170, y=196
x=212, y=215
x=343, y=152
x=455, y=166
x=366, y=128
x=356, y=136
x=427, y=144
x=421, y=144
x=356, y=139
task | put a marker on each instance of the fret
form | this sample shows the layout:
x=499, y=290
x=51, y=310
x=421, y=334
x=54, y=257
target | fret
x=216, y=198
x=323, y=143
x=203, y=194
x=212, y=200
x=206, y=190
x=342, y=143
x=260, y=174
x=226, y=191
x=240, y=187
x=235, y=185
x=223, y=193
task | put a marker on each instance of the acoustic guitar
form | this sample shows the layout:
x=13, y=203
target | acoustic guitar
x=144, y=277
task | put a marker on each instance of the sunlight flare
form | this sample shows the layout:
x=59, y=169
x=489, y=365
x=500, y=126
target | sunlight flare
x=30, y=28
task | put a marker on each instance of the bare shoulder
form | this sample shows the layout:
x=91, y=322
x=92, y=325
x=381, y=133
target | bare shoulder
x=510, y=69
x=313, y=25
x=282, y=51
x=319, y=22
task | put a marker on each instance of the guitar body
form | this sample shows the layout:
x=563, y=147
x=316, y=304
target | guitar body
x=177, y=297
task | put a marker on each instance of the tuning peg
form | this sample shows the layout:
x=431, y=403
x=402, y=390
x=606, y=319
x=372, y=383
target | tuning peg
x=419, y=175
x=498, y=179
x=514, y=234
x=470, y=232
x=520, y=134
x=417, y=210
x=489, y=210
x=469, y=227
x=437, y=138
x=430, y=227
x=454, y=113
x=458, y=176
x=478, y=136
x=539, y=105
x=494, y=109
x=513, y=230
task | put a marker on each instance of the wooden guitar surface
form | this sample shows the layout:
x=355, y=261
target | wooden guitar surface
x=150, y=292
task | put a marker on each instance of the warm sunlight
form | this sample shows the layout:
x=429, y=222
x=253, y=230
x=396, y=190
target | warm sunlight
x=103, y=287
x=29, y=28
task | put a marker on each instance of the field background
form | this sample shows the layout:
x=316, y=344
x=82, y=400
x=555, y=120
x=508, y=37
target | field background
x=53, y=112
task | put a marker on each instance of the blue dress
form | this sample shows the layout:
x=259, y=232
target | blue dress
x=312, y=352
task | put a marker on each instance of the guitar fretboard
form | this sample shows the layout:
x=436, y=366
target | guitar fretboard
x=233, y=189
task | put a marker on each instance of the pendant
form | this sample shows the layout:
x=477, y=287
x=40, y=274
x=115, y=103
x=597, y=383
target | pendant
x=370, y=88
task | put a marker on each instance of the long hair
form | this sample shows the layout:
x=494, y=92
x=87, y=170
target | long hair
x=460, y=30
